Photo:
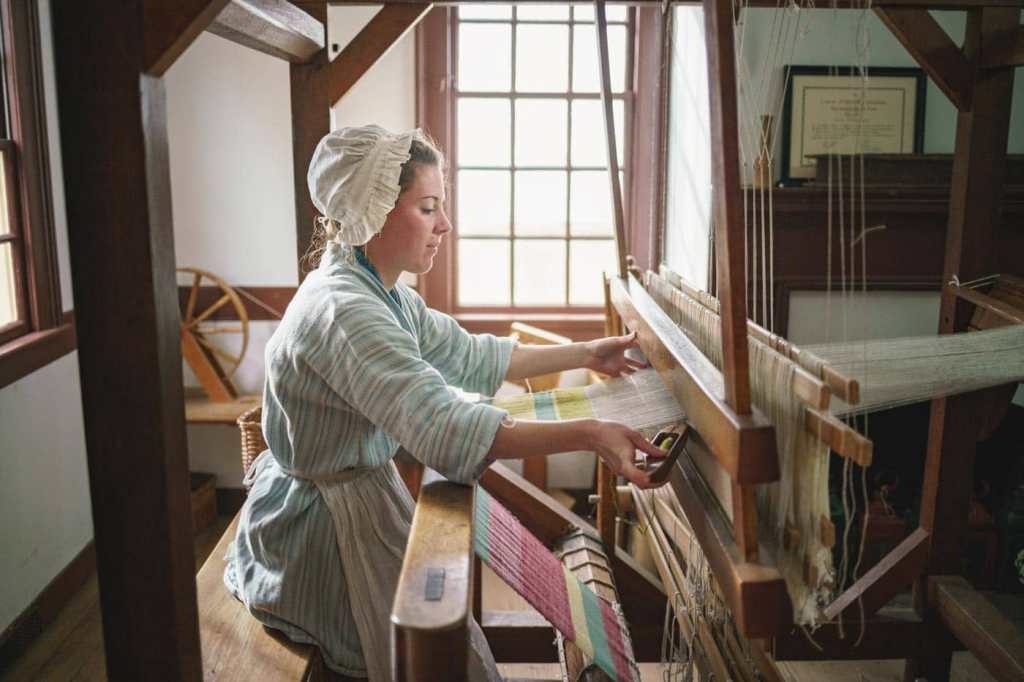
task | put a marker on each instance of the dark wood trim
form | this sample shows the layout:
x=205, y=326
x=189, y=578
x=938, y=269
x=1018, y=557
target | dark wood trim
x=727, y=207
x=19, y=635
x=117, y=183
x=170, y=27
x=230, y=500
x=23, y=61
x=519, y=637
x=276, y=298
x=435, y=63
x=1007, y=50
x=35, y=350
x=371, y=43
x=311, y=120
x=933, y=49
x=274, y=27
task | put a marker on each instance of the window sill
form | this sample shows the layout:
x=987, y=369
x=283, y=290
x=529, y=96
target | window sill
x=26, y=354
x=576, y=326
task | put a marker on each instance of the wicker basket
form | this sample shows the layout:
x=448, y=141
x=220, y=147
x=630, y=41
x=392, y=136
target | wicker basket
x=250, y=424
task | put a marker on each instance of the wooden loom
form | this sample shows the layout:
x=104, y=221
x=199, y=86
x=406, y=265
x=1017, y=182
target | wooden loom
x=742, y=441
x=131, y=383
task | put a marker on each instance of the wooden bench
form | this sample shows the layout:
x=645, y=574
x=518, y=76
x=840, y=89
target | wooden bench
x=235, y=645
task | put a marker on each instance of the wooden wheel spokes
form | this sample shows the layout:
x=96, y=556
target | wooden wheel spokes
x=198, y=315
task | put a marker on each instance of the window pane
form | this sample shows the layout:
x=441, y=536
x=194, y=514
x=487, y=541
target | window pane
x=542, y=12
x=540, y=203
x=587, y=260
x=586, y=71
x=589, y=147
x=540, y=272
x=8, y=287
x=5, y=222
x=485, y=57
x=484, y=272
x=485, y=202
x=541, y=132
x=485, y=132
x=542, y=58
x=585, y=12
x=482, y=11
x=590, y=204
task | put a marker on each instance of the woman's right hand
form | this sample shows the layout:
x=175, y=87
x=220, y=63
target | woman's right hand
x=616, y=444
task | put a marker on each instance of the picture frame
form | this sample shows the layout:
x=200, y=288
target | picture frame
x=821, y=115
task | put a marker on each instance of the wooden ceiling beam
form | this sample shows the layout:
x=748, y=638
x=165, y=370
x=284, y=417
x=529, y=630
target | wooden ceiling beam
x=274, y=27
x=933, y=49
x=170, y=27
x=1005, y=50
x=375, y=40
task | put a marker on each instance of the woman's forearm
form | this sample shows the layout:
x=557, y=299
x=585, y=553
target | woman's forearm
x=536, y=438
x=531, y=361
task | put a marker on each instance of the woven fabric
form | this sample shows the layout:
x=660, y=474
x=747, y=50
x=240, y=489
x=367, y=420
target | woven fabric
x=537, y=575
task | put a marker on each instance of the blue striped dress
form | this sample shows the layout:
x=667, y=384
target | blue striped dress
x=353, y=372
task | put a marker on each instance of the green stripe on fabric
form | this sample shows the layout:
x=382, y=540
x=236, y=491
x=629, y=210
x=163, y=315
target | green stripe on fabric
x=573, y=403
x=482, y=531
x=598, y=637
x=544, y=406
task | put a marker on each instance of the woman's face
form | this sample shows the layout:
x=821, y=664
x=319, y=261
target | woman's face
x=415, y=227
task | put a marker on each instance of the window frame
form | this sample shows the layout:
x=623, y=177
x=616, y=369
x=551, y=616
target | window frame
x=44, y=333
x=437, y=59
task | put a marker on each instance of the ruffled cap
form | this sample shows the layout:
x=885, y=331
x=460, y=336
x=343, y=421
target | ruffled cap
x=353, y=178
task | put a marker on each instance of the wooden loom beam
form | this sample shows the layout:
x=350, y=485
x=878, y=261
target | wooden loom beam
x=384, y=30
x=975, y=197
x=1005, y=50
x=755, y=593
x=432, y=601
x=117, y=182
x=933, y=49
x=171, y=27
x=274, y=27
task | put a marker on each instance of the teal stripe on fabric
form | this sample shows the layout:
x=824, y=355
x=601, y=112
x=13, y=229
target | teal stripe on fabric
x=481, y=530
x=595, y=628
x=544, y=406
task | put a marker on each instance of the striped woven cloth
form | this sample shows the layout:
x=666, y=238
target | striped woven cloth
x=523, y=562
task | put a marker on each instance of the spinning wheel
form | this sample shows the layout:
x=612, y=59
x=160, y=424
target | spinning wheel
x=212, y=364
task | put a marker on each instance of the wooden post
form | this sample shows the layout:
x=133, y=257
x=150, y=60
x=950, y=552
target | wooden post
x=311, y=120
x=977, y=186
x=618, y=213
x=117, y=183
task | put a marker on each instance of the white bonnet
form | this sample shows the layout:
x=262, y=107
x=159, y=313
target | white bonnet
x=353, y=178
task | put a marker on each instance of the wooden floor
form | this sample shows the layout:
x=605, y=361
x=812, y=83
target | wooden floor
x=72, y=647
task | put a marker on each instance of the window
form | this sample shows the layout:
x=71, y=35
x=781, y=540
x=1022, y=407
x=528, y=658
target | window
x=532, y=202
x=32, y=329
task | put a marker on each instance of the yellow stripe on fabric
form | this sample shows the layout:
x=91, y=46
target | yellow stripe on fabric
x=573, y=403
x=519, y=406
x=579, y=615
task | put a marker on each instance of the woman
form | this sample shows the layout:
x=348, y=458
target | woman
x=359, y=366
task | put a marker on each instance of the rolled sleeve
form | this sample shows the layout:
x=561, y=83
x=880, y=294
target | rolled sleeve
x=375, y=366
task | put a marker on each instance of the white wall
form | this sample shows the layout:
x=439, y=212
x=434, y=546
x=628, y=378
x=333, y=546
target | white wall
x=45, y=514
x=232, y=187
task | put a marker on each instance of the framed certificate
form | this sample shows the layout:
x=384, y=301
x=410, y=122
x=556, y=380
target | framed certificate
x=833, y=110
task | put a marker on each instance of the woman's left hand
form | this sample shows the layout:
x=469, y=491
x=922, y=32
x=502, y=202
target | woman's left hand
x=608, y=355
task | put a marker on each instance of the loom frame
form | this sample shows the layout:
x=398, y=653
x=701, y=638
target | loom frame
x=132, y=400
x=967, y=79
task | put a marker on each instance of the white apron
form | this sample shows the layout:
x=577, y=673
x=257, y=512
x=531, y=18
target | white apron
x=372, y=512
